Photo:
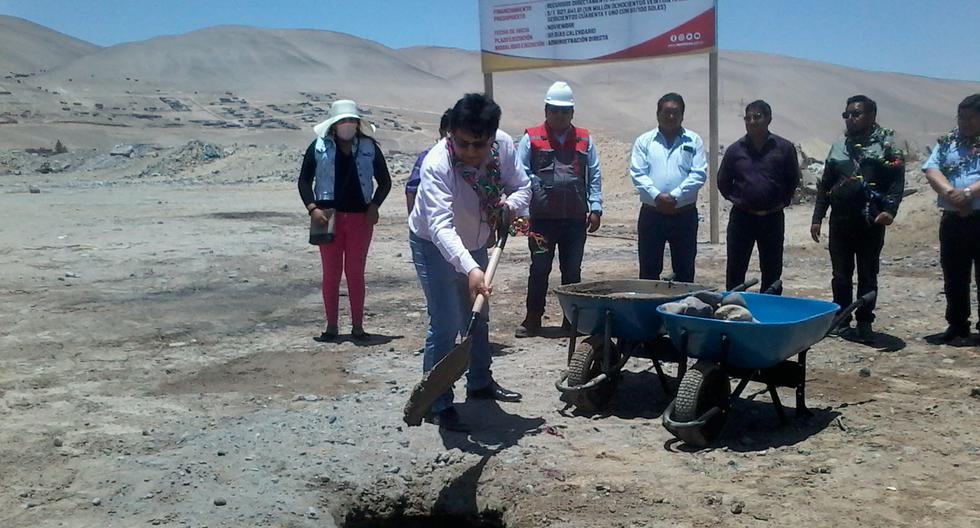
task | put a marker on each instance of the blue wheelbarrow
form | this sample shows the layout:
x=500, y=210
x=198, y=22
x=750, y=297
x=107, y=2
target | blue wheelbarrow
x=620, y=320
x=749, y=351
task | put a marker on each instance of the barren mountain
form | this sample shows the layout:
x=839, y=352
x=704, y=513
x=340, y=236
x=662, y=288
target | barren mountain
x=299, y=72
x=29, y=47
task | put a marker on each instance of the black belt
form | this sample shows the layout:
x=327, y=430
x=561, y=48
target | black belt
x=678, y=210
x=975, y=212
x=756, y=213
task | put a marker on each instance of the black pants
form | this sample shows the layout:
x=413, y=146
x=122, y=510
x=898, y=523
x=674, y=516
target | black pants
x=746, y=230
x=959, y=250
x=568, y=237
x=850, y=244
x=655, y=230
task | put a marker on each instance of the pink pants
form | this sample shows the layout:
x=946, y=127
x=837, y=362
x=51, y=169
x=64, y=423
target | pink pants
x=347, y=254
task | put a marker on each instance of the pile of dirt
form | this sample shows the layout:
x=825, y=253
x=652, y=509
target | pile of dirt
x=192, y=154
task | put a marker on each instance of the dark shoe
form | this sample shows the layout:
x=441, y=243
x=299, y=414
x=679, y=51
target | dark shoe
x=449, y=420
x=840, y=330
x=529, y=328
x=328, y=335
x=359, y=334
x=494, y=391
x=953, y=333
x=864, y=333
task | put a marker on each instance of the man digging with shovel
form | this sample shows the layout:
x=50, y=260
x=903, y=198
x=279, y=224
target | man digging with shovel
x=459, y=208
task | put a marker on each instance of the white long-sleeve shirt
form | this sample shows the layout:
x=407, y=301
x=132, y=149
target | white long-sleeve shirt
x=447, y=210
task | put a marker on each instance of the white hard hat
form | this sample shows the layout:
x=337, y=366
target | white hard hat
x=560, y=94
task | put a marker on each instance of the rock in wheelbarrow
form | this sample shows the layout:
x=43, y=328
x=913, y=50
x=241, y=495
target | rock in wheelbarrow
x=736, y=299
x=733, y=312
x=689, y=306
x=710, y=298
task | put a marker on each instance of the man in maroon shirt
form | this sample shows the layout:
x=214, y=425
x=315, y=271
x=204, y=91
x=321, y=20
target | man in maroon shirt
x=758, y=174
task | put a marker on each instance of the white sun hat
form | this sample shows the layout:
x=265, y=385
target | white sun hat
x=560, y=94
x=341, y=109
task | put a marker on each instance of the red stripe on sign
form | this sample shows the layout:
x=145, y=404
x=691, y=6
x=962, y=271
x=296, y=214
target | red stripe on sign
x=693, y=35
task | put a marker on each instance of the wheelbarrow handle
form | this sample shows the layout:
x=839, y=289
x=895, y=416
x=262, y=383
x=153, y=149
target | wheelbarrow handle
x=867, y=298
x=775, y=287
x=745, y=285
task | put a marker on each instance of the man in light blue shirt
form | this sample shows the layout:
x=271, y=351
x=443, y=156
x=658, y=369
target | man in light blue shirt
x=953, y=171
x=668, y=167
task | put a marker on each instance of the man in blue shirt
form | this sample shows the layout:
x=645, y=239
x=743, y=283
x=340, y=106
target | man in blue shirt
x=668, y=167
x=953, y=171
x=412, y=185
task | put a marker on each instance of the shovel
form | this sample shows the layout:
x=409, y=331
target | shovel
x=450, y=368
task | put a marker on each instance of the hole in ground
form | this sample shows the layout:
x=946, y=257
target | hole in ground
x=369, y=519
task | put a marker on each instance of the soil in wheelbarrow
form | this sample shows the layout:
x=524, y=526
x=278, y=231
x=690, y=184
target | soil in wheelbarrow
x=633, y=289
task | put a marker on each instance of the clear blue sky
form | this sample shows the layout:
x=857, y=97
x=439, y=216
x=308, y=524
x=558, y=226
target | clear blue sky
x=936, y=39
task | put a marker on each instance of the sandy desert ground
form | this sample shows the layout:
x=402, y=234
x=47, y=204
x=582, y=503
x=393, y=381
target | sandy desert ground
x=157, y=368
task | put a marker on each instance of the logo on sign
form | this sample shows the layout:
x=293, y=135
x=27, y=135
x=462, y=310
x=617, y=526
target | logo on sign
x=685, y=37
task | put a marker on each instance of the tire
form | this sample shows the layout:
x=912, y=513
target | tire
x=586, y=363
x=705, y=385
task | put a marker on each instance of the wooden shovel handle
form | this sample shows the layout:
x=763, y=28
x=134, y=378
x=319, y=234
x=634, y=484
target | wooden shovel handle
x=498, y=249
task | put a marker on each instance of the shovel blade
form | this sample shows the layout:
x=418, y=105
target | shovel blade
x=437, y=381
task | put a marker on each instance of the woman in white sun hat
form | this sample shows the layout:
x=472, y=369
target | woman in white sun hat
x=343, y=180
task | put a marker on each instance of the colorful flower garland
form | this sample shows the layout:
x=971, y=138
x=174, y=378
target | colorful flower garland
x=891, y=157
x=966, y=162
x=489, y=188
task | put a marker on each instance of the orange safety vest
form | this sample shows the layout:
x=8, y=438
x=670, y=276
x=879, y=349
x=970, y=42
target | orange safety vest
x=559, y=186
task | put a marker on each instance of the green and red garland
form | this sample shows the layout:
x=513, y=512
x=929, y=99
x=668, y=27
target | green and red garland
x=489, y=189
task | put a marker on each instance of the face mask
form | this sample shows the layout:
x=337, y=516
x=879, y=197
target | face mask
x=346, y=131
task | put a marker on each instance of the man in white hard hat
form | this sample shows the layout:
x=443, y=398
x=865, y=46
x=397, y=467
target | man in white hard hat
x=566, y=185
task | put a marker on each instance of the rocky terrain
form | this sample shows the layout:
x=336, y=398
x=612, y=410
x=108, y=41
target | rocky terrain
x=158, y=299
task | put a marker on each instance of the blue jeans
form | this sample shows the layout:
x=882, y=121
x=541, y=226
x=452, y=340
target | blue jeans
x=447, y=300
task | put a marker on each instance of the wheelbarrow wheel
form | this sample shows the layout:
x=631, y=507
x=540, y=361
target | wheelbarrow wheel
x=705, y=385
x=586, y=363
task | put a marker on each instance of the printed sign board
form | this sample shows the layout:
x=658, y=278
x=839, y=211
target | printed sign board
x=519, y=35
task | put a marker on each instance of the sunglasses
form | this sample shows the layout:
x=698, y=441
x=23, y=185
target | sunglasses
x=478, y=144
x=852, y=113
x=755, y=117
x=560, y=109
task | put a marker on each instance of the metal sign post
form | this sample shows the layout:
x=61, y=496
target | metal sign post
x=713, y=149
x=488, y=84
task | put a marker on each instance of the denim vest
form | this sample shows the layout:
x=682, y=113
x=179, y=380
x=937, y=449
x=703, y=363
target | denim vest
x=326, y=167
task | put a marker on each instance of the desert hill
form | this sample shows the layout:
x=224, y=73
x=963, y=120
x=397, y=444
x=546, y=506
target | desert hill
x=30, y=48
x=272, y=85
